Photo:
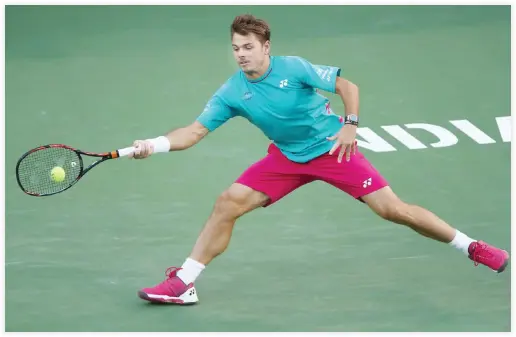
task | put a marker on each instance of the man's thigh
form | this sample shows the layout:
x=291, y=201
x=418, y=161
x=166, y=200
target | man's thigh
x=358, y=177
x=274, y=175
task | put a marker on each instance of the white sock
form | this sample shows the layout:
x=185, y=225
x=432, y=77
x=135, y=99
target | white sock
x=190, y=270
x=462, y=242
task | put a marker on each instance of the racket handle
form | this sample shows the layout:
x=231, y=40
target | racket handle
x=125, y=152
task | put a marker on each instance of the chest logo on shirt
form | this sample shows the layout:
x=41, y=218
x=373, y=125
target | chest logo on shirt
x=283, y=83
x=248, y=95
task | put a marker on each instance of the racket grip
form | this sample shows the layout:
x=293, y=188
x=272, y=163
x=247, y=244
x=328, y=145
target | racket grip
x=126, y=151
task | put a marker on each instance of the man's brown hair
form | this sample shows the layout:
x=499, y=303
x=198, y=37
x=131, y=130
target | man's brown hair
x=247, y=24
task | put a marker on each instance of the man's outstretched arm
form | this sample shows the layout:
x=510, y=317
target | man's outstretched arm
x=175, y=140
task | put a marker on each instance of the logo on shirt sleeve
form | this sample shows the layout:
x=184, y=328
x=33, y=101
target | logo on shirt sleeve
x=324, y=74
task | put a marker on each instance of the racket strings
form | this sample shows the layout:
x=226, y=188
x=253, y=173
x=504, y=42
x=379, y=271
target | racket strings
x=35, y=170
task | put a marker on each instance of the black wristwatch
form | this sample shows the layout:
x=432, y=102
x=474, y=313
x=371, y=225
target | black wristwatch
x=351, y=119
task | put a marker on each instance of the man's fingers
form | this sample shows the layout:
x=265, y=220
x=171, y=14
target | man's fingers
x=138, y=150
x=334, y=148
x=142, y=149
x=349, y=149
x=341, y=153
x=332, y=137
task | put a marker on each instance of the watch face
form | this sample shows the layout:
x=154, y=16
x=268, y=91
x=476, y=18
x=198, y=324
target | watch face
x=353, y=118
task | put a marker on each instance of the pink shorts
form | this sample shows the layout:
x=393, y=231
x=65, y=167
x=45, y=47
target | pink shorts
x=277, y=176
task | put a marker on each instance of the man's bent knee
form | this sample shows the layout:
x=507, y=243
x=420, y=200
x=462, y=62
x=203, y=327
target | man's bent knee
x=239, y=199
x=396, y=211
x=387, y=205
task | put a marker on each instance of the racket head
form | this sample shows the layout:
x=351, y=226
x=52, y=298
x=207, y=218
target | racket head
x=33, y=170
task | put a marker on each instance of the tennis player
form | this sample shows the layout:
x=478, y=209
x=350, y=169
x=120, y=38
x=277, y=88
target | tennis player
x=309, y=142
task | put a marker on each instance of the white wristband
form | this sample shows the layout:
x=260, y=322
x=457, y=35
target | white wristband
x=161, y=144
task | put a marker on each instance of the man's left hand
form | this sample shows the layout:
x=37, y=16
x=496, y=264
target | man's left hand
x=345, y=139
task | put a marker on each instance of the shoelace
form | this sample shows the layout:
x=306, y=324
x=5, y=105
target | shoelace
x=171, y=272
x=479, y=248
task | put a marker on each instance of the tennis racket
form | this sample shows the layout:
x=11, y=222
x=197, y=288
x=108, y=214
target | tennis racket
x=54, y=168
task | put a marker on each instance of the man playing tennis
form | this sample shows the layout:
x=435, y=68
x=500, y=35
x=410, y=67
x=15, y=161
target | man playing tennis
x=279, y=95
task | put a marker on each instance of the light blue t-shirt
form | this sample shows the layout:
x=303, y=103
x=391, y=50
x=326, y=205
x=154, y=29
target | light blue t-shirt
x=284, y=104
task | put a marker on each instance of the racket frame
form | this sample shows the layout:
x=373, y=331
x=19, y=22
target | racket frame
x=104, y=156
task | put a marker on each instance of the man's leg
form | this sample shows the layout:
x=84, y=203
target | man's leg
x=262, y=184
x=361, y=180
x=212, y=241
x=387, y=205
x=232, y=204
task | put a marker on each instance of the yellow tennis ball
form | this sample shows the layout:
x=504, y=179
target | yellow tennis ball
x=57, y=174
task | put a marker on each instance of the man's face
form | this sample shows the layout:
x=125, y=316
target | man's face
x=249, y=52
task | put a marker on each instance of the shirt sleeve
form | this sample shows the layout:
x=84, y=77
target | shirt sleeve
x=318, y=76
x=216, y=112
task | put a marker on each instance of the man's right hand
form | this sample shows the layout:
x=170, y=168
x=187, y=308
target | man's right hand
x=143, y=149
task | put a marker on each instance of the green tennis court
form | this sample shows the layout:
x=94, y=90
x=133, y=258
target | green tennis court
x=97, y=78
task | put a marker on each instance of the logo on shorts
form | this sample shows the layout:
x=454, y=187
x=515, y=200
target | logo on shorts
x=283, y=83
x=367, y=182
